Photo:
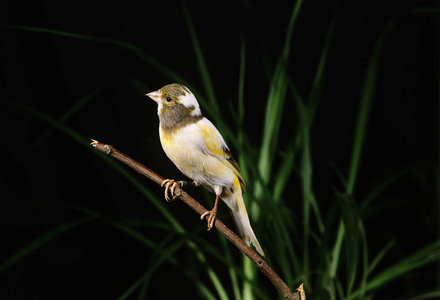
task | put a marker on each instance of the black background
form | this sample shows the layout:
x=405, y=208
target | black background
x=51, y=73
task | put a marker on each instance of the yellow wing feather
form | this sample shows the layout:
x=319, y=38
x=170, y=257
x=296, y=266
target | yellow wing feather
x=214, y=144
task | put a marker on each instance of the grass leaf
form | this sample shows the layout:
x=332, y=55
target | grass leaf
x=420, y=258
x=203, y=68
x=41, y=241
x=275, y=104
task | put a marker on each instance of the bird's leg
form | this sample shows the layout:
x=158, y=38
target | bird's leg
x=184, y=184
x=212, y=213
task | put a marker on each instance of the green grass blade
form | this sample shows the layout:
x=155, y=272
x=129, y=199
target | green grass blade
x=203, y=69
x=241, y=77
x=126, y=46
x=306, y=172
x=435, y=294
x=380, y=187
x=211, y=105
x=233, y=274
x=54, y=123
x=318, y=80
x=420, y=258
x=286, y=168
x=366, y=101
x=232, y=266
x=364, y=272
x=287, y=257
x=351, y=219
x=213, y=276
x=243, y=157
x=380, y=256
x=71, y=111
x=163, y=252
x=142, y=292
x=205, y=292
x=275, y=104
x=134, y=234
x=237, y=275
x=272, y=122
x=144, y=280
x=127, y=293
x=316, y=210
x=333, y=268
x=41, y=241
x=249, y=272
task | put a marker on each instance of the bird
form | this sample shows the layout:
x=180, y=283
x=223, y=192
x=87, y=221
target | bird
x=199, y=151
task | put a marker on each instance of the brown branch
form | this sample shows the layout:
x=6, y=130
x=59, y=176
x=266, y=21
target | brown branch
x=262, y=265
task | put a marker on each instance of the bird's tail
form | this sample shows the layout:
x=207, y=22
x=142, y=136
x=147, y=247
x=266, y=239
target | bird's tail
x=238, y=211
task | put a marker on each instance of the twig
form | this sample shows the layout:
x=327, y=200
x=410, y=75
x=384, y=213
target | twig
x=262, y=265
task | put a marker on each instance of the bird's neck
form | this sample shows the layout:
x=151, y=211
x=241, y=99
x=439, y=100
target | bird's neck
x=176, y=117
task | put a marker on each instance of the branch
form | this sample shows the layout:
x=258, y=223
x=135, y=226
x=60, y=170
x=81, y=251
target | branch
x=262, y=265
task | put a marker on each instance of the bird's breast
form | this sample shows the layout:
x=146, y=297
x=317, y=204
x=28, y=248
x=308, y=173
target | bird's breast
x=184, y=148
x=181, y=146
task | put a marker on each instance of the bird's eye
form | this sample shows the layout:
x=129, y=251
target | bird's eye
x=168, y=99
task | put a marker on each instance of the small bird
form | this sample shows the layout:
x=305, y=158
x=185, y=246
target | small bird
x=199, y=151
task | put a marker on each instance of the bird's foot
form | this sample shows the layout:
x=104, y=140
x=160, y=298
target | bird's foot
x=211, y=218
x=170, y=189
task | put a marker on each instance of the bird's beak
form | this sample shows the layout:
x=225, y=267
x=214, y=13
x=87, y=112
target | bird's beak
x=154, y=95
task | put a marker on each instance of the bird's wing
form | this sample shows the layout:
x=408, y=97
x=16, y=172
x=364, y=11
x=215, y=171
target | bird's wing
x=214, y=145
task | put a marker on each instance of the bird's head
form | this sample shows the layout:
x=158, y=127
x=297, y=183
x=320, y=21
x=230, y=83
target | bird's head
x=176, y=105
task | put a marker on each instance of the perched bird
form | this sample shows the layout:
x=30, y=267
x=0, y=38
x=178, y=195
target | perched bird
x=199, y=151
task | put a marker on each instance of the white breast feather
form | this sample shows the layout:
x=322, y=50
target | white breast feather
x=188, y=152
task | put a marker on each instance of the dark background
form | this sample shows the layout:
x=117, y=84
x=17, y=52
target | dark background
x=51, y=73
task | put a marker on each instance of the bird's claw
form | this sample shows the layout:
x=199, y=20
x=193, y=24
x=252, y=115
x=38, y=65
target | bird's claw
x=210, y=219
x=170, y=188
